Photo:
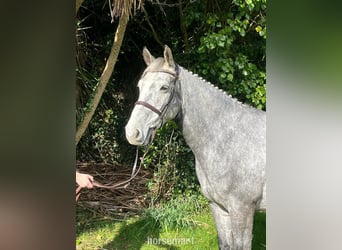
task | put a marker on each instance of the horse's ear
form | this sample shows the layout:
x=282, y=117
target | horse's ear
x=148, y=58
x=168, y=56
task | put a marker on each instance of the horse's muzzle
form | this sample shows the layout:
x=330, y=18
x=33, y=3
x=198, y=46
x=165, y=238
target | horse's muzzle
x=134, y=136
x=139, y=137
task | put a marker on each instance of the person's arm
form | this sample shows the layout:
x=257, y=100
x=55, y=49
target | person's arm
x=84, y=180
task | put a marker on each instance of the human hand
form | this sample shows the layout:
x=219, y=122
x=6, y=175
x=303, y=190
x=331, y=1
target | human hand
x=84, y=180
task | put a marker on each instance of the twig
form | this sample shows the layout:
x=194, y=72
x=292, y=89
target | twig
x=155, y=35
x=182, y=27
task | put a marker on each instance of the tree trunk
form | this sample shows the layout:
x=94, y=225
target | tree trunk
x=106, y=74
x=78, y=4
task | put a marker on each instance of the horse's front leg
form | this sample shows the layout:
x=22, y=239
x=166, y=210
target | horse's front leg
x=234, y=229
x=223, y=227
x=242, y=217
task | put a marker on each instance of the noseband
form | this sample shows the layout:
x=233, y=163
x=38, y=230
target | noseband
x=163, y=110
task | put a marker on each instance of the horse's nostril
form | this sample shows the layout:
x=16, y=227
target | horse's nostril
x=137, y=133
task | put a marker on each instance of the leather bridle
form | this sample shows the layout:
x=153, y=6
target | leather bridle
x=161, y=112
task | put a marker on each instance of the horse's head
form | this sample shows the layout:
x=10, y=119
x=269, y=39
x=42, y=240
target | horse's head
x=159, y=99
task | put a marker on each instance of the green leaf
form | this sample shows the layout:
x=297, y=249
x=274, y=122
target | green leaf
x=230, y=77
x=221, y=44
x=258, y=28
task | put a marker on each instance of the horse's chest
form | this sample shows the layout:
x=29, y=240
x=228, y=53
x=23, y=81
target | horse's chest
x=213, y=182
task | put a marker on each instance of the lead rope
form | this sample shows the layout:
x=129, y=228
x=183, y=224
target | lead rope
x=126, y=182
x=135, y=162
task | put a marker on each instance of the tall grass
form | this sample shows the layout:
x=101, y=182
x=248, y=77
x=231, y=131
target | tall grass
x=176, y=213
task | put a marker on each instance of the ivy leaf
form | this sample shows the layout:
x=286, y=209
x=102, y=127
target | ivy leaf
x=258, y=28
x=220, y=44
x=230, y=77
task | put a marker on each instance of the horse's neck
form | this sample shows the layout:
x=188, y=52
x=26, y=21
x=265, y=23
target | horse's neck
x=205, y=112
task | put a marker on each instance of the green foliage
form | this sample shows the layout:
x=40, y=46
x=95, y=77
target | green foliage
x=231, y=51
x=259, y=231
x=173, y=164
x=105, y=140
x=176, y=213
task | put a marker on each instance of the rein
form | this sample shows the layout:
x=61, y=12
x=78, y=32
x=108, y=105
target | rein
x=122, y=184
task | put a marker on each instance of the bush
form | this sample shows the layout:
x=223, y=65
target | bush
x=231, y=52
x=173, y=164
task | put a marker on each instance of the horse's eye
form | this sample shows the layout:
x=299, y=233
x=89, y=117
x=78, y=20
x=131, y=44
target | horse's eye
x=164, y=87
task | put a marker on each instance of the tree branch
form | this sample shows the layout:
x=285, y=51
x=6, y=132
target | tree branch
x=182, y=27
x=155, y=35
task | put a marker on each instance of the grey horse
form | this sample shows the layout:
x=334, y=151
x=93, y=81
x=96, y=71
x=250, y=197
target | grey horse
x=228, y=139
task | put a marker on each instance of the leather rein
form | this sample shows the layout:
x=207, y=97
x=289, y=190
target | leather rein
x=161, y=114
x=118, y=185
x=122, y=184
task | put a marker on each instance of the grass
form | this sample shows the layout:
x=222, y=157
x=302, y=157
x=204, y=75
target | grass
x=150, y=232
x=259, y=231
x=177, y=213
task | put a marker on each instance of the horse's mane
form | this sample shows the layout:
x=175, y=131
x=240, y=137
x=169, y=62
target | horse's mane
x=217, y=90
x=160, y=62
